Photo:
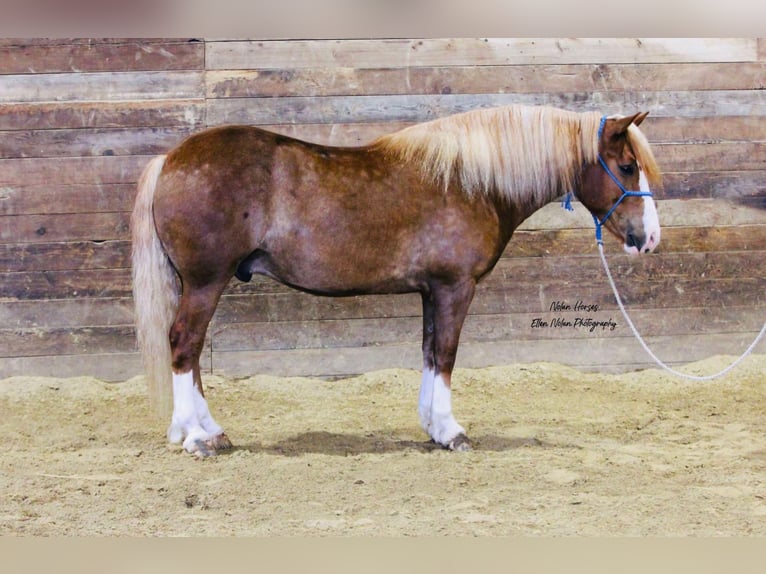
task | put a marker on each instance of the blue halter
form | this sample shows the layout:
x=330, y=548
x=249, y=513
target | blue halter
x=625, y=193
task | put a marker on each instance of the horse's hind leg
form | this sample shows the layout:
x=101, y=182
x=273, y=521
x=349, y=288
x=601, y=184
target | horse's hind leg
x=192, y=422
x=444, y=310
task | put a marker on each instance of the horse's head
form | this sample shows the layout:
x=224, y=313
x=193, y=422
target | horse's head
x=616, y=189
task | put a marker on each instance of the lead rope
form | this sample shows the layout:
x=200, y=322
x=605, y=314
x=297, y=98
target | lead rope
x=649, y=351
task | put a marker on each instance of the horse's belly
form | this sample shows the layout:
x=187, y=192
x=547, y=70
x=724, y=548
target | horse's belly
x=334, y=274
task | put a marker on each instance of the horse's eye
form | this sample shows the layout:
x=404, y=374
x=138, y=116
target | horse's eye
x=628, y=169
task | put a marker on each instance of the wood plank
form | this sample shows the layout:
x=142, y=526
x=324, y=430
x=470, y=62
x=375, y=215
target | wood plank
x=340, y=109
x=190, y=114
x=343, y=334
x=702, y=130
x=659, y=294
x=72, y=170
x=52, y=197
x=92, y=227
x=496, y=295
x=82, y=342
x=316, y=334
x=473, y=79
x=696, y=104
x=87, y=41
x=251, y=308
x=109, y=283
x=608, y=354
x=30, y=342
x=66, y=313
x=90, y=142
x=650, y=271
x=730, y=156
x=64, y=256
x=472, y=52
x=107, y=367
x=575, y=242
x=128, y=55
x=418, y=108
x=117, y=114
x=664, y=267
x=729, y=185
x=100, y=86
x=672, y=212
x=704, y=239
x=616, y=355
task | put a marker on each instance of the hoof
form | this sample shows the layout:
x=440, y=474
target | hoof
x=460, y=443
x=202, y=449
x=210, y=447
x=220, y=442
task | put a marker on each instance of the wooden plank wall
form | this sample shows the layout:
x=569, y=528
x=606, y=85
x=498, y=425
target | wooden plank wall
x=79, y=119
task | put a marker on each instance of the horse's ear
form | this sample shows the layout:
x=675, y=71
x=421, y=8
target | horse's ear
x=640, y=117
x=620, y=125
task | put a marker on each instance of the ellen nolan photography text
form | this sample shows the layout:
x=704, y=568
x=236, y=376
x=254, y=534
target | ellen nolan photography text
x=580, y=316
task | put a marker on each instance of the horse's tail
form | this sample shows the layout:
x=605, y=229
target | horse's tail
x=155, y=292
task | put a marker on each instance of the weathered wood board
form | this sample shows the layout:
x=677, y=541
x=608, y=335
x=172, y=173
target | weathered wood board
x=79, y=118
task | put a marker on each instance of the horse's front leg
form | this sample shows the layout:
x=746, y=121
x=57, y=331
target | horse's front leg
x=444, y=310
x=192, y=422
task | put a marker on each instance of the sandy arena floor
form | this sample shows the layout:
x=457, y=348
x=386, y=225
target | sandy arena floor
x=557, y=453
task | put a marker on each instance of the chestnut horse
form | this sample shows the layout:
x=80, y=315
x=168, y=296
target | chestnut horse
x=428, y=209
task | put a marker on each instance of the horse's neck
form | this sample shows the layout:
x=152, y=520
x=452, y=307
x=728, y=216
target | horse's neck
x=531, y=192
x=524, y=205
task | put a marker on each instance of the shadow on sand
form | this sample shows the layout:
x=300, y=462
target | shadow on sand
x=336, y=444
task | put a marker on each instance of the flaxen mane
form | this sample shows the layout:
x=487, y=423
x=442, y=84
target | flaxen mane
x=525, y=154
x=645, y=157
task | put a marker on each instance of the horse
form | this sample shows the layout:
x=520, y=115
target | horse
x=428, y=209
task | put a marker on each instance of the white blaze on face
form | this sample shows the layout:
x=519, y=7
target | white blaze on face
x=651, y=219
